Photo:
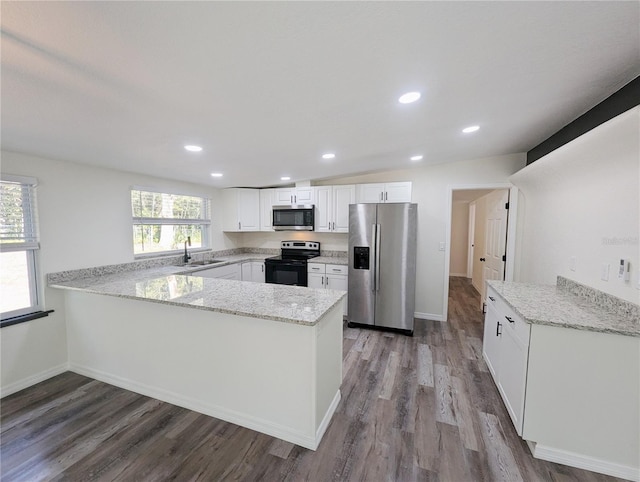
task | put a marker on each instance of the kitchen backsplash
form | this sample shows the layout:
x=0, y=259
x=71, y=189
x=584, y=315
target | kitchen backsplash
x=71, y=275
x=604, y=300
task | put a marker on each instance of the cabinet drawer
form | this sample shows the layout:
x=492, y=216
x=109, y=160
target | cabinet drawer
x=316, y=268
x=521, y=329
x=492, y=298
x=337, y=269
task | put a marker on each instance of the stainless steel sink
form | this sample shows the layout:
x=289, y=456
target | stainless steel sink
x=205, y=262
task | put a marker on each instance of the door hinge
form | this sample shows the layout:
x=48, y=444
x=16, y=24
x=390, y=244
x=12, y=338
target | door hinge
x=506, y=205
x=504, y=257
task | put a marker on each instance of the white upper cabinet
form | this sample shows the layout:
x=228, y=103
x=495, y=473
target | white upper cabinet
x=390, y=192
x=294, y=195
x=266, y=205
x=241, y=209
x=332, y=207
x=324, y=203
x=342, y=197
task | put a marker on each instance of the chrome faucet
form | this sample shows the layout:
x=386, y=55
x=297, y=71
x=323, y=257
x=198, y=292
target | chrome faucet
x=186, y=256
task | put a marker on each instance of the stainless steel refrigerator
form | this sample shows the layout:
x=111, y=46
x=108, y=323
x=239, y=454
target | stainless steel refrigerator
x=382, y=265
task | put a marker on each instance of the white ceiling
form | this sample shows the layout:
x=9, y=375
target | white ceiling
x=267, y=87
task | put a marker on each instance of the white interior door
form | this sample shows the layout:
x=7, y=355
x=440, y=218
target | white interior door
x=495, y=238
x=472, y=236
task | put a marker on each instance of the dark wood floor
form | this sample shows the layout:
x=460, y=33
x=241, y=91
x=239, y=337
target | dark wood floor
x=421, y=408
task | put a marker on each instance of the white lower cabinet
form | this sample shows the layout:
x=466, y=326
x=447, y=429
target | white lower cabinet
x=506, y=351
x=231, y=271
x=572, y=394
x=253, y=271
x=328, y=276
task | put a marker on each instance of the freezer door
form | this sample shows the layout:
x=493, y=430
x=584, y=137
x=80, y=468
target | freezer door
x=361, y=301
x=395, y=292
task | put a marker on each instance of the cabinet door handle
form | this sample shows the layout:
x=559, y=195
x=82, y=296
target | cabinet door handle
x=498, y=332
x=327, y=281
x=483, y=259
x=386, y=196
x=262, y=266
x=335, y=269
x=239, y=225
x=492, y=298
x=509, y=319
x=381, y=196
x=333, y=226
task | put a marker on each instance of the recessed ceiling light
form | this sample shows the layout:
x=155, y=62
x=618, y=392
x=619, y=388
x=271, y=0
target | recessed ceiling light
x=416, y=158
x=192, y=148
x=285, y=178
x=216, y=174
x=469, y=129
x=328, y=155
x=409, y=97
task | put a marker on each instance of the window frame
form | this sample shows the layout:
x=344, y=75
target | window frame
x=31, y=249
x=145, y=221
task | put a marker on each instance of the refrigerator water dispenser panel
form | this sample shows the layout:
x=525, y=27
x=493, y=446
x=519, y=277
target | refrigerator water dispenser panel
x=361, y=257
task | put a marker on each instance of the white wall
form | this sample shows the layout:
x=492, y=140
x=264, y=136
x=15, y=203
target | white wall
x=85, y=220
x=582, y=200
x=459, y=238
x=431, y=185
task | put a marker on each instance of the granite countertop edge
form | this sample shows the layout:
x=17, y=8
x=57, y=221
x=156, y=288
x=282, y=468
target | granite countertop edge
x=296, y=321
x=119, y=282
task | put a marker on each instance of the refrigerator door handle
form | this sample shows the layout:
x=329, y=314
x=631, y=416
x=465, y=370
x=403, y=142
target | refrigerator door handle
x=374, y=249
x=378, y=257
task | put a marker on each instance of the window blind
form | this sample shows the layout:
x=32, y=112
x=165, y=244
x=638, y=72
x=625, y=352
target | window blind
x=163, y=208
x=18, y=215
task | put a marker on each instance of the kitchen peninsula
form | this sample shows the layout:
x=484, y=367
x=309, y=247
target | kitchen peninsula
x=264, y=356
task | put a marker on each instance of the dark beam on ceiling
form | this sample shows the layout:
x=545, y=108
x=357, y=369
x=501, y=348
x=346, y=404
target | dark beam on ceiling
x=621, y=101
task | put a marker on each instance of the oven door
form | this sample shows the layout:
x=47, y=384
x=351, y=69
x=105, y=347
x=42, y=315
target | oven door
x=286, y=272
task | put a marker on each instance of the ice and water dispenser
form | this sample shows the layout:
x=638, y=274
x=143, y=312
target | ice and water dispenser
x=360, y=257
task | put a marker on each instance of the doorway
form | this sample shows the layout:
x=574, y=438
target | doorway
x=480, y=236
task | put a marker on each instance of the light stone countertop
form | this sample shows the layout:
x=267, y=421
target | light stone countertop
x=166, y=284
x=553, y=305
x=343, y=260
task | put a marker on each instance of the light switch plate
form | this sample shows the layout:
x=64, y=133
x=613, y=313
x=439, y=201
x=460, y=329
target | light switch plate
x=572, y=263
x=604, y=275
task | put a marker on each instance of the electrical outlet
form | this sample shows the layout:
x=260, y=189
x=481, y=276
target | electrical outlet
x=604, y=274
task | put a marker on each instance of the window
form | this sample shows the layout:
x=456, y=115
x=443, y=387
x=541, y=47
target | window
x=163, y=221
x=18, y=247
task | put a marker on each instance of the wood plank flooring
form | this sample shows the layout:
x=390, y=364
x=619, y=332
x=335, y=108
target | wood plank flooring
x=413, y=409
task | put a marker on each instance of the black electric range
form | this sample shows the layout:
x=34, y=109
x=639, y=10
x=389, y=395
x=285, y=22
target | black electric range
x=290, y=268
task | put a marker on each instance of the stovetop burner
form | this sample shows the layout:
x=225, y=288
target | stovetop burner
x=297, y=250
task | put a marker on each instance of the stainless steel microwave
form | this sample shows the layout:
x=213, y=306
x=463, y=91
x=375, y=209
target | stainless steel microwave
x=297, y=217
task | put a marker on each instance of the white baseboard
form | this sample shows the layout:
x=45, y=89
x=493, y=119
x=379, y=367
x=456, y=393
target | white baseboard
x=429, y=316
x=583, y=462
x=33, y=379
x=458, y=275
x=322, y=428
x=242, y=419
